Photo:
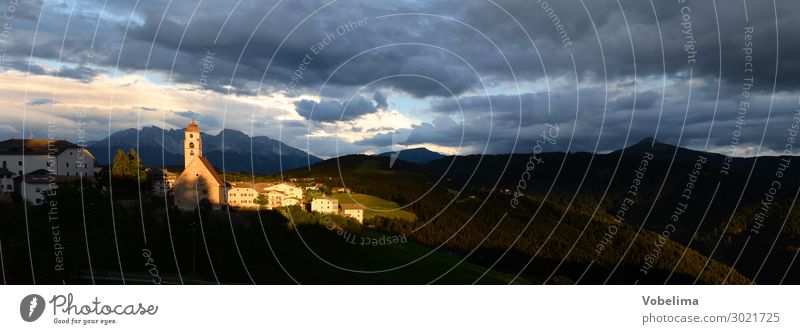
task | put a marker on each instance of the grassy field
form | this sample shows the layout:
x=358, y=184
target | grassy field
x=375, y=206
x=431, y=267
x=410, y=263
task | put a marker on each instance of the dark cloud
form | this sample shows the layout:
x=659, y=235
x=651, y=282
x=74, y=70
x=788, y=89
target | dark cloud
x=81, y=73
x=41, y=102
x=459, y=53
x=380, y=100
x=469, y=43
x=331, y=111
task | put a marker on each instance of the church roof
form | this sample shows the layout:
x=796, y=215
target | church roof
x=192, y=126
x=208, y=166
x=211, y=169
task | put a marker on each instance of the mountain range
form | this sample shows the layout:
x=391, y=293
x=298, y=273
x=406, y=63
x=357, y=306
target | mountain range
x=229, y=150
x=260, y=154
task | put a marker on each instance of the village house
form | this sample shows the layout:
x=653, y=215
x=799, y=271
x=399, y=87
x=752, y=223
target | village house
x=315, y=187
x=275, y=199
x=283, y=194
x=290, y=201
x=163, y=181
x=355, y=211
x=325, y=205
x=34, y=186
x=56, y=157
x=337, y=190
x=279, y=198
x=242, y=197
x=289, y=190
x=199, y=182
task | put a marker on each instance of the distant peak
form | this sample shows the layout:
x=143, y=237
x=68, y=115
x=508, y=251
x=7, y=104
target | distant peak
x=418, y=149
x=649, y=141
x=232, y=132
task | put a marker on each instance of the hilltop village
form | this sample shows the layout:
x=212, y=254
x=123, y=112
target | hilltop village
x=32, y=168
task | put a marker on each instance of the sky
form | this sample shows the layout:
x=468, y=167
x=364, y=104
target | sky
x=458, y=77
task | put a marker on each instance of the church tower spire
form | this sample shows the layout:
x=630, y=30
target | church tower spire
x=192, y=143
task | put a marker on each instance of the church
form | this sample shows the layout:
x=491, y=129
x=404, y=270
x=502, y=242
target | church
x=198, y=184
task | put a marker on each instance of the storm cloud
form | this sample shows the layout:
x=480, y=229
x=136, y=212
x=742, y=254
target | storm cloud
x=485, y=76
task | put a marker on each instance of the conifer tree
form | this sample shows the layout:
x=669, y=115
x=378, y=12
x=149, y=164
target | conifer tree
x=136, y=167
x=121, y=167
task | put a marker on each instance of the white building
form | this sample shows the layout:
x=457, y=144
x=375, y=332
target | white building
x=242, y=197
x=35, y=185
x=275, y=199
x=325, y=205
x=57, y=157
x=283, y=194
x=279, y=198
x=290, y=201
x=290, y=191
x=355, y=211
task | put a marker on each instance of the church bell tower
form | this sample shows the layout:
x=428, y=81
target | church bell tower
x=192, y=143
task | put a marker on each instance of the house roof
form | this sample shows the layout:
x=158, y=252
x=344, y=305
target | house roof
x=282, y=185
x=326, y=199
x=241, y=187
x=34, y=146
x=352, y=206
x=37, y=176
x=42, y=176
x=4, y=171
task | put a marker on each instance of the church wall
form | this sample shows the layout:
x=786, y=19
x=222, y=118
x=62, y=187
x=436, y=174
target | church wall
x=186, y=197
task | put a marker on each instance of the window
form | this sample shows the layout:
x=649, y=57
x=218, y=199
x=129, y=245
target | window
x=38, y=201
x=191, y=153
x=8, y=187
x=191, y=135
x=191, y=145
x=19, y=163
x=68, y=165
x=38, y=190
